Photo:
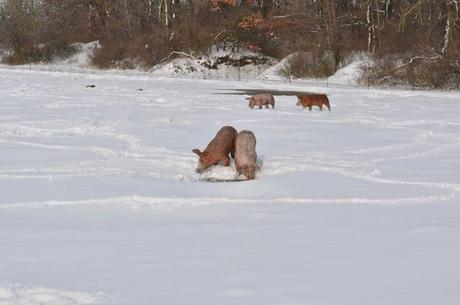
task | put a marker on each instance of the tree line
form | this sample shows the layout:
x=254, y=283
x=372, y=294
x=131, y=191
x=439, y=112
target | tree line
x=405, y=37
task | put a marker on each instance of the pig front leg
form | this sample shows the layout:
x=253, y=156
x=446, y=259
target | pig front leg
x=226, y=161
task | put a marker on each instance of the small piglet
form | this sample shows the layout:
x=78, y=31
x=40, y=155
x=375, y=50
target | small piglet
x=245, y=154
x=261, y=100
x=218, y=149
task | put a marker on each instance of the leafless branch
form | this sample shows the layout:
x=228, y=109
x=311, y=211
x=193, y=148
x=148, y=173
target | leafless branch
x=178, y=53
x=411, y=61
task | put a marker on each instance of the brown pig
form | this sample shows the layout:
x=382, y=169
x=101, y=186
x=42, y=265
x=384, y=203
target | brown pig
x=245, y=154
x=218, y=149
x=261, y=100
x=311, y=100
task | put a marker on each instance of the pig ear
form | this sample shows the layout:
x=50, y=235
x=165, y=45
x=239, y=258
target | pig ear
x=197, y=151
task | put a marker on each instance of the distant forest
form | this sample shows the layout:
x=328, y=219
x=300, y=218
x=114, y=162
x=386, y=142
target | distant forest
x=410, y=41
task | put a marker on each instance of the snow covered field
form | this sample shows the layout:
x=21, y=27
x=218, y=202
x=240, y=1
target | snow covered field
x=100, y=204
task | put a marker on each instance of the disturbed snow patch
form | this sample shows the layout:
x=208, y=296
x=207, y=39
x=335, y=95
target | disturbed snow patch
x=220, y=173
x=20, y=295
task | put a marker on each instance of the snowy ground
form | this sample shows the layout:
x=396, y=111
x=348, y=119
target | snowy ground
x=100, y=204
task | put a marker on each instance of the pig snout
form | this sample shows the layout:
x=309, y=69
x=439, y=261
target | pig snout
x=250, y=173
x=201, y=167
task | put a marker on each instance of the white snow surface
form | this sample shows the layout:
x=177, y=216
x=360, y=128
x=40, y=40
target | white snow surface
x=100, y=203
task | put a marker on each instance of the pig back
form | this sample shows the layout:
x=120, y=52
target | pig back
x=263, y=98
x=224, y=140
x=245, y=149
x=314, y=99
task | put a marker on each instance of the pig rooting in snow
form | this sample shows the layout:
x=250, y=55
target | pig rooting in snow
x=218, y=149
x=245, y=154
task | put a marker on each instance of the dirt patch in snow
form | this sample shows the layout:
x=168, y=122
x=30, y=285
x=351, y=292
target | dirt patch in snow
x=274, y=92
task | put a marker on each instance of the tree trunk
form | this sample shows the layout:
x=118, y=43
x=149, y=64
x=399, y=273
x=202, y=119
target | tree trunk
x=128, y=19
